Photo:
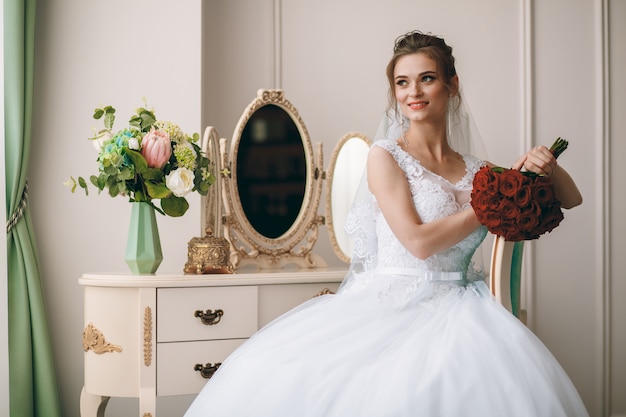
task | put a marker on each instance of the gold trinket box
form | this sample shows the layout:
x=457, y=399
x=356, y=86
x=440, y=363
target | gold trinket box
x=208, y=255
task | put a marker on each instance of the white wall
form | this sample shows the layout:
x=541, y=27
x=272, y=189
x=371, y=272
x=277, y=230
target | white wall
x=93, y=53
x=530, y=72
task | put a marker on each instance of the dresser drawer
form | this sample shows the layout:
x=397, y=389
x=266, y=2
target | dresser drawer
x=228, y=313
x=176, y=369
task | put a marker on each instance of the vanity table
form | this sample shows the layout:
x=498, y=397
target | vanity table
x=162, y=335
x=147, y=336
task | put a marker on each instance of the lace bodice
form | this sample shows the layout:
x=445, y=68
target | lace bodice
x=434, y=198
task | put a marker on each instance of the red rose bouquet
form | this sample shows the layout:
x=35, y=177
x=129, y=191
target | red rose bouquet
x=518, y=205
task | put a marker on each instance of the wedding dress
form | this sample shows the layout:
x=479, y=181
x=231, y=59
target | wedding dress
x=407, y=337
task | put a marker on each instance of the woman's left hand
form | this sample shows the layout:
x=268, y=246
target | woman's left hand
x=539, y=160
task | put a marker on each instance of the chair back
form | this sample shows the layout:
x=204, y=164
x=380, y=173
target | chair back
x=506, y=274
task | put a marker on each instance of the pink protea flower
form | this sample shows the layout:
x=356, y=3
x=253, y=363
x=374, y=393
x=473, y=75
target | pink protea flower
x=156, y=147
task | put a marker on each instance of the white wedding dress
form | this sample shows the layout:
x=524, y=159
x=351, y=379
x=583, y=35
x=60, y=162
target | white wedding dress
x=409, y=337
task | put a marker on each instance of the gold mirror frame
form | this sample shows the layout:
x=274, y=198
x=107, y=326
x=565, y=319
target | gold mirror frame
x=336, y=211
x=247, y=245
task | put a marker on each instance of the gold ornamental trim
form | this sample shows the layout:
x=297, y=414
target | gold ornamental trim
x=93, y=339
x=147, y=336
x=325, y=291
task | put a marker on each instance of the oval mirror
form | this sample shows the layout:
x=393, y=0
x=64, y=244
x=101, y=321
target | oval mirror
x=271, y=171
x=272, y=186
x=347, y=164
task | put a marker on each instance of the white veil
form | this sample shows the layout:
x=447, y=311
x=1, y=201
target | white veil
x=463, y=138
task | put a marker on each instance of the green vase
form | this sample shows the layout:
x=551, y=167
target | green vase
x=143, y=249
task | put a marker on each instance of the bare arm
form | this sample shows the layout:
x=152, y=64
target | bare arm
x=388, y=183
x=541, y=161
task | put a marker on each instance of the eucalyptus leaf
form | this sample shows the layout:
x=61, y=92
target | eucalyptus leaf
x=98, y=181
x=152, y=174
x=109, y=119
x=147, y=120
x=174, y=206
x=138, y=160
x=98, y=113
x=157, y=190
x=135, y=121
x=83, y=185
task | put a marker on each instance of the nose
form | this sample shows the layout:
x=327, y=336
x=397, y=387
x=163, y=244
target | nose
x=415, y=90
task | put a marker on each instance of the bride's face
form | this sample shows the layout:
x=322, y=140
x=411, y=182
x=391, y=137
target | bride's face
x=419, y=89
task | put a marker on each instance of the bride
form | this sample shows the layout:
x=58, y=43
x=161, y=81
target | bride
x=413, y=329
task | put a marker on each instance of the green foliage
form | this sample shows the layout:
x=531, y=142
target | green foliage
x=174, y=206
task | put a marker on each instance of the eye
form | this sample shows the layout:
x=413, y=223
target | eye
x=428, y=78
x=401, y=83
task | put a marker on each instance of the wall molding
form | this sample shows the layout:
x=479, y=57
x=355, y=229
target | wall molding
x=277, y=47
x=528, y=130
x=603, y=221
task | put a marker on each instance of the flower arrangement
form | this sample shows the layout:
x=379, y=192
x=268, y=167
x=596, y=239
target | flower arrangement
x=148, y=160
x=518, y=205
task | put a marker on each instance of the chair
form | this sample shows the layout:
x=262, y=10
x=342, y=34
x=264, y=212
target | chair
x=506, y=273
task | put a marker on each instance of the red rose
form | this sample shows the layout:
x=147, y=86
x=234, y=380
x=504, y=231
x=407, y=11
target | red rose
x=482, y=178
x=507, y=227
x=492, y=219
x=511, y=181
x=543, y=192
x=523, y=196
x=493, y=201
x=508, y=209
x=531, y=209
x=493, y=184
x=527, y=221
x=479, y=202
x=551, y=218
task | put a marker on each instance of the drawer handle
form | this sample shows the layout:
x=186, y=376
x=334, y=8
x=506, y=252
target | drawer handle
x=207, y=370
x=209, y=317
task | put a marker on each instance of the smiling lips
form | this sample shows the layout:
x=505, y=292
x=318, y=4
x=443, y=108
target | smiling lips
x=417, y=105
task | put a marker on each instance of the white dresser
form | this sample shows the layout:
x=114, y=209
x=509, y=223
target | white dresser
x=149, y=336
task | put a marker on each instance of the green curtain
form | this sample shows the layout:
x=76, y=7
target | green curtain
x=32, y=380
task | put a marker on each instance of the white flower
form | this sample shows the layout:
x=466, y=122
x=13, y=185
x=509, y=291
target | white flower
x=133, y=144
x=101, y=138
x=180, y=181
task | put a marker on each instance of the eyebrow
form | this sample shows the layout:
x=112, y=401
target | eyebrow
x=421, y=74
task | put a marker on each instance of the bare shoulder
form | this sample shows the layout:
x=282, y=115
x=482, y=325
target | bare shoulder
x=382, y=170
x=379, y=155
x=380, y=160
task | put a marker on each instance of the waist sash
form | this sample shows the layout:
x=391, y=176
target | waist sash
x=423, y=274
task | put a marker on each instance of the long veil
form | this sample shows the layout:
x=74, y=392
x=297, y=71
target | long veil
x=463, y=137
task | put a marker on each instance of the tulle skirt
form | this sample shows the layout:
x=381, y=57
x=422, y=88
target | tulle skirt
x=406, y=349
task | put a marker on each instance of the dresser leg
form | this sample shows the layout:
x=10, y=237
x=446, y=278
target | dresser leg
x=92, y=405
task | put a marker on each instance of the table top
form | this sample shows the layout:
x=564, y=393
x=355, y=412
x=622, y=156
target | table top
x=257, y=277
